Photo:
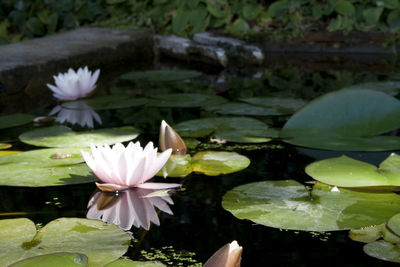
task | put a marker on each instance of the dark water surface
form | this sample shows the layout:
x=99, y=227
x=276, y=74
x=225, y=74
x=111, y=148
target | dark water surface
x=199, y=223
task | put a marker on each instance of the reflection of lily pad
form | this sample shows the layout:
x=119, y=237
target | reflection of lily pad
x=383, y=250
x=21, y=175
x=346, y=120
x=100, y=242
x=277, y=105
x=210, y=163
x=108, y=102
x=45, y=157
x=219, y=162
x=289, y=205
x=161, y=75
x=129, y=263
x=60, y=259
x=8, y=121
x=251, y=130
x=61, y=136
x=4, y=146
x=348, y=172
x=185, y=100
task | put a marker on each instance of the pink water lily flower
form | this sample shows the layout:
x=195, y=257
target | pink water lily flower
x=73, y=85
x=122, y=167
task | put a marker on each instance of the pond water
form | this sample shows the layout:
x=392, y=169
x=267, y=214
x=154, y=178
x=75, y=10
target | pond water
x=199, y=224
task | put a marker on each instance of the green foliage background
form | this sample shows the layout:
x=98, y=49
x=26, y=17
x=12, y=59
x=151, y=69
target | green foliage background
x=21, y=19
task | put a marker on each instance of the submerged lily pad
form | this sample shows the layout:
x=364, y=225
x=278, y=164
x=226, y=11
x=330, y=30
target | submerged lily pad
x=4, y=146
x=185, y=100
x=161, y=75
x=100, y=242
x=60, y=259
x=289, y=205
x=108, y=102
x=17, y=119
x=234, y=129
x=383, y=250
x=210, y=163
x=29, y=175
x=349, y=120
x=276, y=105
x=62, y=136
x=348, y=172
x=129, y=263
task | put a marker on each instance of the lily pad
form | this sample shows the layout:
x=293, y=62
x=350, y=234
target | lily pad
x=60, y=259
x=394, y=224
x=108, y=102
x=288, y=204
x=100, y=242
x=211, y=163
x=276, y=105
x=214, y=163
x=17, y=119
x=347, y=172
x=129, y=263
x=4, y=146
x=185, y=100
x=62, y=136
x=45, y=157
x=247, y=130
x=161, y=75
x=21, y=175
x=383, y=250
x=9, y=152
x=389, y=87
x=372, y=233
x=349, y=120
x=241, y=109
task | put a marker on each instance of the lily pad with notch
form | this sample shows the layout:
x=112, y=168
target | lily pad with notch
x=161, y=75
x=347, y=172
x=101, y=243
x=234, y=129
x=287, y=204
x=347, y=120
x=13, y=120
x=62, y=136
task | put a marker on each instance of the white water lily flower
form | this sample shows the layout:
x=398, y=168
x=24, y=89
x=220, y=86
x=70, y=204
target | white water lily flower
x=73, y=85
x=122, y=167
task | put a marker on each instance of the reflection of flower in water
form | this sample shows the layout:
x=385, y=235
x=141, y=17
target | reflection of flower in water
x=73, y=85
x=77, y=112
x=135, y=206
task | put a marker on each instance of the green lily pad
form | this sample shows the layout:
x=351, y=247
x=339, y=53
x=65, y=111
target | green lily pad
x=372, y=233
x=177, y=166
x=17, y=119
x=45, y=157
x=289, y=205
x=211, y=163
x=161, y=75
x=185, y=100
x=4, y=146
x=241, y=109
x=214, y=163
x=394, y=224
x=21, y=175
x=383, y=250
x=60, y=259
x=100, y=242
x=276, y=105
x=348, y=172
x=346, y=120
x=129, y=263
x=62, y=136
x=107, y=102
x=247, y=130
